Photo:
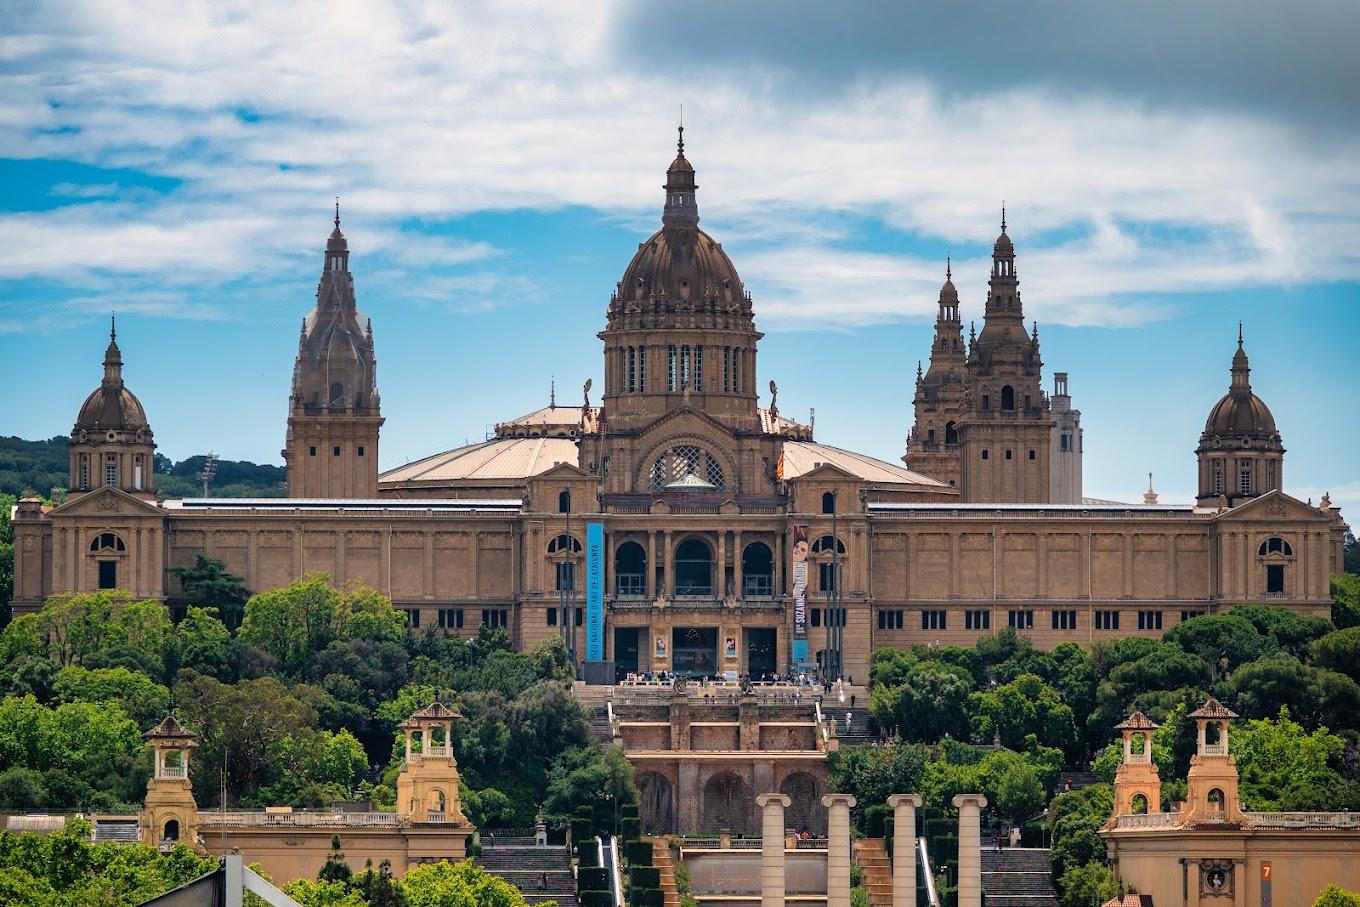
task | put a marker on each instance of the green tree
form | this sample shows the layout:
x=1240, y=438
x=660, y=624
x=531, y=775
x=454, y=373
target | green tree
x=1346, y=594
x=208, y=584
x=1336, y=896
x=1315, y=696
x=873, y=773
x=1338, y=651
x=930, y=703
x=296, y=621
x=1083, y=886
x=144, y=700
x=1284, y=628
x=89, y=754
x=203, y=643
x=464, y=884
x=1027, y=706
x=7, y=502
x=594, y=778
x=1281, y=766
x=1221, y=640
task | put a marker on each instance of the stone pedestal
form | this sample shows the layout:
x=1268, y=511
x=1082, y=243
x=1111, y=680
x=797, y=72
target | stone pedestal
x=772, y=808
x=838, y=849
x=970, y=848
x=904, y=848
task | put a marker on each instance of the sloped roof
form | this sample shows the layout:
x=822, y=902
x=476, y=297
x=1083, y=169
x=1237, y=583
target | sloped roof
x=803, y=456
x=1137, y=722
x=1213, y=709
x=502, y=459
x=168, y=729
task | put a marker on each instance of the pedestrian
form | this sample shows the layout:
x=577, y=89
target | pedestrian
x=852, y=700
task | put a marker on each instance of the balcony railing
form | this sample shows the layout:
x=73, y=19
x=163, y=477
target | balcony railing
x=694, y=589
x=172, y=771
x=1304, y=820
x=758, y=586
x=1215, y=749
x=436, y=749
x=1147, y=820
x=262, y=819
x=630, y=585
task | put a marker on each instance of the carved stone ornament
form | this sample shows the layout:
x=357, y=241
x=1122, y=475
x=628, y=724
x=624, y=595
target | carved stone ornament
x=1216, y=878
x=108, y=504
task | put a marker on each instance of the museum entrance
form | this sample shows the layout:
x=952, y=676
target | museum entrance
x=625, y=652
x=761, y=651
x=694, y=651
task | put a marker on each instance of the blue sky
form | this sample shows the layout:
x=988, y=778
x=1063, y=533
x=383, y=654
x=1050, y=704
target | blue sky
x=1166, y=175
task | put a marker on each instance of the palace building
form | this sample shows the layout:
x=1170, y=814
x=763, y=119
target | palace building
x=678, y=525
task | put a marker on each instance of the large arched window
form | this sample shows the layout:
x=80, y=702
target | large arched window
x=828, y=544
x=1275, y=545
x=951, y=433
x=630, y=570
x=757, y=570
x=693, y=568
x=1007, y=398
x=829, y=502
x=107, y=543
x=687, y=467
x=564, y=543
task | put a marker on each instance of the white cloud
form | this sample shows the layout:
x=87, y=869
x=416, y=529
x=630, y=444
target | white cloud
x=431, y=111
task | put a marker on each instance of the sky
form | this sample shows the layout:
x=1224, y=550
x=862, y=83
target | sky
x=1168, y=170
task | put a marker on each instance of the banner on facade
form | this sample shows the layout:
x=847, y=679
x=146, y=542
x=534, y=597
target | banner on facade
x=594, y=592
x=799, y=547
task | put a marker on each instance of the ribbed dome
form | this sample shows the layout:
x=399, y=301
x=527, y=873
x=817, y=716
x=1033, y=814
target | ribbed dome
x=680, y=263
x=111, y=407
x=1239, y=414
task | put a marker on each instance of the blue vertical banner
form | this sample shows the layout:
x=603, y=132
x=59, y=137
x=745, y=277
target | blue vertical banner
x=594, y=591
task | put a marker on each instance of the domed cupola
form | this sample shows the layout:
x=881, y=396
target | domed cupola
x=1241, y=454
x=680, y=320
x=111, y=442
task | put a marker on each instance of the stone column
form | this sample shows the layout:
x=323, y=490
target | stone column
x=970, y=848
x=838, y=848
x=772, y=848
x=904, y=848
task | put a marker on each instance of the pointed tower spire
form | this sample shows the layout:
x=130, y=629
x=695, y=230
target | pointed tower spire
x=113, y=357
x=1003, y=216
x=1241, y=368
x=681, y=209
x=337, y=212
x=948, y=267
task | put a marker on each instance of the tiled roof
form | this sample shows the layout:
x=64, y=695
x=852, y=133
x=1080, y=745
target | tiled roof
x=1137, y=722
x=503, y=459
x=1213, y=709
x=803, y=456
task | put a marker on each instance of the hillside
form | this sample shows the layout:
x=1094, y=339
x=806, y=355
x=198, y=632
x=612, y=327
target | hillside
x=41, y=466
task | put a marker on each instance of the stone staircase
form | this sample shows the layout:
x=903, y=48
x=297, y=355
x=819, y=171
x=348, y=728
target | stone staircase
x=1017, y=877
x=863, y=729
x=875, y=870
x=599, y=723
x=540, y=873
x=661, y=859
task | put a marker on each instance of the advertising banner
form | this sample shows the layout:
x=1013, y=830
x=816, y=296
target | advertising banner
x=594, y=592
x=799, y=547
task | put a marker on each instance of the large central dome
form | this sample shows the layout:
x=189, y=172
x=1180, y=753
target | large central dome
x=681, y=263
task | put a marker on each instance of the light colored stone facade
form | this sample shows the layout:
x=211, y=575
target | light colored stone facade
x=701, y=495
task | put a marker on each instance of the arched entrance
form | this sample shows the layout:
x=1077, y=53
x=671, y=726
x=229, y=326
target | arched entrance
x=805, y=812
x=727, y=805
x=630, y=571
x=693, y=568
x=171, y=830
x=656, y=804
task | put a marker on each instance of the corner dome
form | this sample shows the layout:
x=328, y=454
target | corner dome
x=111, y=408
x=681, y=264
x=1240, y=415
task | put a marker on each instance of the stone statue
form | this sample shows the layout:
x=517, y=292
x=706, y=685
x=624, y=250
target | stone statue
x=585, y=392
x=686, y=391
x=774, y=399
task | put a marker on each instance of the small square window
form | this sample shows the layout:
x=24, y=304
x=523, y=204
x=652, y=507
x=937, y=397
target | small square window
x=984, y=454
x=1008, y=455
x=1031, y=455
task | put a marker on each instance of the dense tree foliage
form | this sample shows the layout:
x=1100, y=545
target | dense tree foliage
x=441, y=884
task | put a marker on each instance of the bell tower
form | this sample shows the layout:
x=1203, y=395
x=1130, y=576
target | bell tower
x=1006, y=433
x=170, y=814
x=427, y=788
x=1211, y=784
x=933, y=444
x=1137, y=786
x=334, y=409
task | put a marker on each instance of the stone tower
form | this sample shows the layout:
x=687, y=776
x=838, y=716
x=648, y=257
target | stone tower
x=933, y=444
x=111, y=443
x=680, y=327
x=170, y=814
x=1006, y=432
x=1241, y=455
x=1211, y=784
x=427, y=788
x=1065, y=455
x=1137, y=786
x=334, y=410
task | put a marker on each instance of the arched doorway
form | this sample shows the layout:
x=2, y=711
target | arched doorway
x=171, y=830
x=630, y=571
x=805, y=811
x=693, y=568
x=757, y=571
x=656, y=804
x=727, y=805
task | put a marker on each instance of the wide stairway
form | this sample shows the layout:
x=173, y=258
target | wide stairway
x=540, y=873
x=875, y=870
x=1017, y=877
x=863, y=729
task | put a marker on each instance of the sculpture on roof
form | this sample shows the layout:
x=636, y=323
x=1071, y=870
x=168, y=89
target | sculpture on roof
x=585, y=392
x=774, y=400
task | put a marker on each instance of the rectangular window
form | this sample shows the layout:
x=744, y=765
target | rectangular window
x=108, y=574
x=84, y=471
x=685, y=376
x=1031, y=455
x=451, y=618
x=360, y=451
x=632, y=369
x=736, y=370
x=1107, y=620
x=1190, y=615
x=412, y=616
x=566, y=576
x=495, y=618
x=642, y=369
x=1008, y=455
x=890, y=620
x=984, y=453
x=826, y=577
x=934, y=620
x=551, y=616
x=1149, y=620
x=727, y=369
x=580, y=617
x=111, y=469
x=1064, y=440
x=815, y=618
x=977, y=619
x=670, y=368
x=1020, y=620
x=1275, y=579
x=986, y=402
x=311, y=451
x=1064, y=620
x=1244, y=481
x=336, y=452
